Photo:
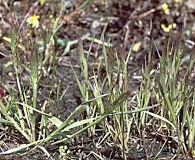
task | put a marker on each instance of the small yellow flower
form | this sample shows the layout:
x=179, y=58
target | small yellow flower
x=136, y=47
x=50, y=16
x=42, y=1
x=33, y=20
x=165, y=8
x=193, y=153
x=176, y=1
x=169, y=27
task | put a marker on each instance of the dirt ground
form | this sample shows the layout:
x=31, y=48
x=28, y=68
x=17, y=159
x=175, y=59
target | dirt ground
x=125, y=23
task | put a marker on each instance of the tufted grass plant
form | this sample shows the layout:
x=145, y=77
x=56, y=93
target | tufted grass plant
x=177, y=95
x=22, y=109
x=169, y=88
x=110, y=108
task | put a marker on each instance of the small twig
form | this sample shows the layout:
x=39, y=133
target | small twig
x=24, y=20
x=4, y=55
x=133, y=18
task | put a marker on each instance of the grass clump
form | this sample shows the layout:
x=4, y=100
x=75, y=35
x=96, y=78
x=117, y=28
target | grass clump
x=177, y=95
x=22, y=109
x=111, y=113
x=169, y=87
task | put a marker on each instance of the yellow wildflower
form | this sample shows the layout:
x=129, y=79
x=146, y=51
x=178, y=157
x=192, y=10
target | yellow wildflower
x=169, y=27
x=33, y=20
x=165, y=8
x=136, y=47
x=176, y=1
x=193, y=153
x=42, y=1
